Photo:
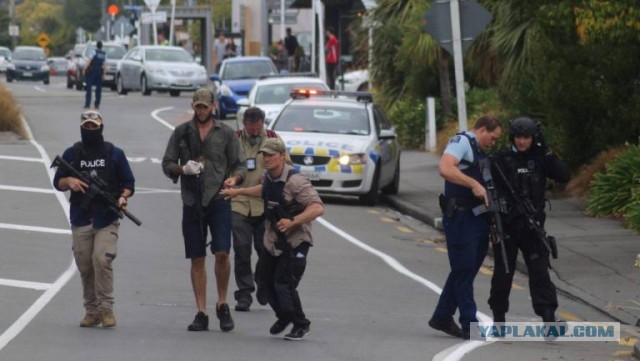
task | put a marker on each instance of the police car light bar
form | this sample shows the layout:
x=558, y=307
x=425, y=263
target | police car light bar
x=288, y=75
x=299, y=93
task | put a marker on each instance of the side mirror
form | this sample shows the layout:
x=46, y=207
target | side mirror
x=387, y=134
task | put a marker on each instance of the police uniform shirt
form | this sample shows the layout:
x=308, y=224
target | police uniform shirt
x=460, y=148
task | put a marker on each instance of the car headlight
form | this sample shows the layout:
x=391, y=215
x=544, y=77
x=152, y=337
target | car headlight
x=157, y=71
x=225, y=90
x=45, y=68
x=351, y=159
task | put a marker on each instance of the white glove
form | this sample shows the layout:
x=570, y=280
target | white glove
x=192, y=168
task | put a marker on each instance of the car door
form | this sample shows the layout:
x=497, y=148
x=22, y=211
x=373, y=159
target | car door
x=137, y=67
x=386, y=141
x=125, y=68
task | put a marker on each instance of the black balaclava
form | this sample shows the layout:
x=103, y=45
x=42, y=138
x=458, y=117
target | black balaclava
x=92, y=139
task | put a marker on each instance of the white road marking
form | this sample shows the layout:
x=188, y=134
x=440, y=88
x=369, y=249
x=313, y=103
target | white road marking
x=17, y=327
x=25, y=284
x=20, y=227
x=27, y=189
x=23, y=159
x=155, y=116
x=453, y=353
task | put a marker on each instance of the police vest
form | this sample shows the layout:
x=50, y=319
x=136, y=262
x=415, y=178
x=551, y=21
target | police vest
x=526, y=175
x=99, y=164
x=473, y=170
x=275, y=207
x=97, y=62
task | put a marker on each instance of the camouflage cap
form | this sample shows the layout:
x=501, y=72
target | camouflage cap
x=203, y=96
x=92, y=116
x=272, y=146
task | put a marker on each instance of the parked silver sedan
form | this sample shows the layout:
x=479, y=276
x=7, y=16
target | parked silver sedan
x=164, y=68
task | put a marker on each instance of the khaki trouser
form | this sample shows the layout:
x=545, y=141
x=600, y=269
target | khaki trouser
x=94, y=251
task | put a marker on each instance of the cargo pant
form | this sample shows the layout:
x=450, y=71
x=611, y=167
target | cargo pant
x=94, y=251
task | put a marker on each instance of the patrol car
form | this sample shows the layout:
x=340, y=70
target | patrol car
x=342, y=142
x=270, y=92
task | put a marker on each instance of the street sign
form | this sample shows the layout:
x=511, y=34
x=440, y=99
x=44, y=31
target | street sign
x=122, y=26
x=152, y=4
x=14, y=30
x=148, y=18
x=437, y=22
x=43, y=40
x=275, y=4
x=289, y=18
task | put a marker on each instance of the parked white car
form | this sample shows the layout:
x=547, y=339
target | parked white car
x=5, y=58
x=357, y=80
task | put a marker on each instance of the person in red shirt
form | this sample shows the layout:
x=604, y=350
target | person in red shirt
x=331, y=53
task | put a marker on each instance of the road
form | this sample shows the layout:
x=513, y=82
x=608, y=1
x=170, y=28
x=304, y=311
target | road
x=372, y=280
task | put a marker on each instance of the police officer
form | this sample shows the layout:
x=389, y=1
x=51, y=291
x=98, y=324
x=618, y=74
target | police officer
x=291, y=204
x=526, y=165
x=94, y=227
x=93, y=72
x=247, y=218
x=466, y=233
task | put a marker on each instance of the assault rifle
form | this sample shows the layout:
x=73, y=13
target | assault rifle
x=96, y=188
x=495, y=208
x=524, y=207
x=274, y=213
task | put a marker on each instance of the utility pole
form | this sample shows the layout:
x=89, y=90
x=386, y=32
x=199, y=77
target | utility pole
x=12, y=16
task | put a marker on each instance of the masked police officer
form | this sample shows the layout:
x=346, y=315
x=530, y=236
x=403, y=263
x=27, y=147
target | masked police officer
x=526, y=165
x=466, y=232
x=94, y=226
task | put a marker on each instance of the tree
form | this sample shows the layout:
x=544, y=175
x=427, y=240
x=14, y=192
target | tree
x=83, y=13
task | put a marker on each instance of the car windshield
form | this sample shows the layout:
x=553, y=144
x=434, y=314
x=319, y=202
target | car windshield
x=247, y=70
x=168, y=55
x=29, y=54
x=279, y=93
x=5, y=53
x=318, y=119
x=112, y=51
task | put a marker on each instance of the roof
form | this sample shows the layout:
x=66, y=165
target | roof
x=241, y=59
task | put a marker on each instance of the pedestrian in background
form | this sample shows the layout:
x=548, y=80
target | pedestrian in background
x=467, y=234
x=526, y=164
x=331, y=58
x=247, y=218
x=219, y=47
x=206, y=156
x=94, y=226
x=93, y=73
x=291, y=44
x=280, y=58
x=291, y=204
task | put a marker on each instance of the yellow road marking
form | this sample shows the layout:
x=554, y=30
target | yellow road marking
x=628, y=341
x=485, y=271
x=387, y=220
x=373, y=211
x=404, y=229
x=622, y=353
x=441, y=249
x=568, y=316
x=516, y=286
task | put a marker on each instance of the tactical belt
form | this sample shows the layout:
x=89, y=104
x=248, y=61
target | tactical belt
x=449, y=205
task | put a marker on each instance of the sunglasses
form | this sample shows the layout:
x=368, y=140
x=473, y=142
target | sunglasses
x=90, y=116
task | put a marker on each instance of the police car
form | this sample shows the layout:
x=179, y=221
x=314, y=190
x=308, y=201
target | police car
x=342, y=142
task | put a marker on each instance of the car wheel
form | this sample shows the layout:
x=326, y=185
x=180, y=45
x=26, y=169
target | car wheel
x=46, y=81
x=144, y=86
x=364, y=87
x=371, y=197
x=78, y=84
x=9, y=80
x=69, y=84
x=174, y=93
x=392, y=188
x=120, y=86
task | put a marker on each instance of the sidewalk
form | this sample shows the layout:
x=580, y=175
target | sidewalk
x=596, y=256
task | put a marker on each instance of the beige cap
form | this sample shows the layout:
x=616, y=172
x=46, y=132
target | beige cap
x=203, y=96
x=272, y=146
x=92, y=116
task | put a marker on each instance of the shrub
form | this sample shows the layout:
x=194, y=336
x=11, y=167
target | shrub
x=10, y=119
x=616, y=192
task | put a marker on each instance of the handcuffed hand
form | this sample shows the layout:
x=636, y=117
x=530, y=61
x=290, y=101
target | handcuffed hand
x=192, y=168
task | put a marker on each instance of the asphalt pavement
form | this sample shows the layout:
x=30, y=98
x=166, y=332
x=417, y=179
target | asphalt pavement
x=596, y=255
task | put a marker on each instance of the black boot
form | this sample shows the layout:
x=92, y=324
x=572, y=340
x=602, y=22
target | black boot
x=548, y=316
x=499, y=316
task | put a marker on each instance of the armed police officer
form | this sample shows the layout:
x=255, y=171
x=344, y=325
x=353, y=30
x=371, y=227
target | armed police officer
x=291, y=204
x=521, y=172
x=466, y=232
x=94, y=226
x=94, y=72
x=247, y=217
